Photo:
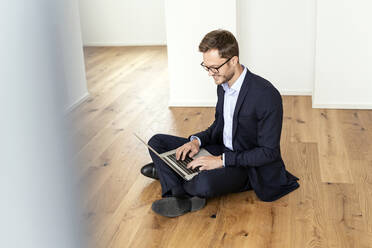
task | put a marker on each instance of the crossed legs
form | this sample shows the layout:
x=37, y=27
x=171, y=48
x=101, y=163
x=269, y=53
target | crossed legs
x=206, y=184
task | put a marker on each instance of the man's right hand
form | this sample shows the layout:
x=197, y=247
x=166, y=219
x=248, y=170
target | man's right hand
x=192, y=147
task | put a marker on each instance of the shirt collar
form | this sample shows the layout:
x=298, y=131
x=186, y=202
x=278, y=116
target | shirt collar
x=238, y=83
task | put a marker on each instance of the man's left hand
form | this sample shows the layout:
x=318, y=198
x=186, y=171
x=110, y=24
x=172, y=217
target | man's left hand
x=206, y=163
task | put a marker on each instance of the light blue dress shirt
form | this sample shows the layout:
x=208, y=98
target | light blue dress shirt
x=230, y=99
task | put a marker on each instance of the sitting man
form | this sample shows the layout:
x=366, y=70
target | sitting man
x=244, y=139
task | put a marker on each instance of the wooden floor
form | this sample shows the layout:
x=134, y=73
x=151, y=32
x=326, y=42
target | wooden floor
x=329, y=150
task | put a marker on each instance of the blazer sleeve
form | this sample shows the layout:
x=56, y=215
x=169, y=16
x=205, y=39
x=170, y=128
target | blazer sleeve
x=269, y=127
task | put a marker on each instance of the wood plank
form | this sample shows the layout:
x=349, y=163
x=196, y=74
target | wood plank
x=304, y=120
x=365, y=118
x=286, y=135
x=352, y=126
x=345, y=224
x=362, y=174
x=306, y=209
x=333, y=158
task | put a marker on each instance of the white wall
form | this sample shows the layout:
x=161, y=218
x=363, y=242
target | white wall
x=343, y=76
x=69, y=37
x=122, y=22
x=277, y=41
x=187, y=22
x=38, y=206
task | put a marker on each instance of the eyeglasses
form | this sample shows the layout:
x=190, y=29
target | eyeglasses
x=213, y=69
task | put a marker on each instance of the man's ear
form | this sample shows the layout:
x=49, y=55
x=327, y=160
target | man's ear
x=235, y=60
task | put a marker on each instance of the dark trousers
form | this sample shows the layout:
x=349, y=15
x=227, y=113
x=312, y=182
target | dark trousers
x=206, y=184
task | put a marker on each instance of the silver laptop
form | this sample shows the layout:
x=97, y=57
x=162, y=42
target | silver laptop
x=179, y=166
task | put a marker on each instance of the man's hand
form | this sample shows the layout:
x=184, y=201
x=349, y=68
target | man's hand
x=192, y=147
x=206, y=163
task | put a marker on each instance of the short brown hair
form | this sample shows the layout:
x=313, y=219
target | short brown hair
x=222, y=40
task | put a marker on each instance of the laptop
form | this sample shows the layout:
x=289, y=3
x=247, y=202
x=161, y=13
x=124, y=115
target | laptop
x=179, y=166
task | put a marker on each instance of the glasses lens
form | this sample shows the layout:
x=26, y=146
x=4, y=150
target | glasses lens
x=209, y=69
x=213, y=70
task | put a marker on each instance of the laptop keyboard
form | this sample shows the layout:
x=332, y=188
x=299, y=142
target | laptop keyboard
x=183, y=163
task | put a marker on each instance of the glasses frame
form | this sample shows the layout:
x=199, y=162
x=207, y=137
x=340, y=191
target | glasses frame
x=214, y=69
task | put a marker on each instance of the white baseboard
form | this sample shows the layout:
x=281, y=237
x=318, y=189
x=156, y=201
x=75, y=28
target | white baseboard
x=296, y=92
x=104, y=44
x=191, y=103
x=77, y=103
x=342, y=106
x=211, y=103
x=187, y=103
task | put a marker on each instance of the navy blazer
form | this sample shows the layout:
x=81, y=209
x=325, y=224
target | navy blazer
x=257, y=126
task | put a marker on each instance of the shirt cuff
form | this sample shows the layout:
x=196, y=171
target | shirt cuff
x=195, y=137
x=223, y=159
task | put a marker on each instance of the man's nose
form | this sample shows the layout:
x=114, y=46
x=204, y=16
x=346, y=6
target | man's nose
x=210, y=73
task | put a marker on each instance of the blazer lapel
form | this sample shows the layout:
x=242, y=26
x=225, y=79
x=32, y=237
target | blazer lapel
x=221, y=98
x=242, y=93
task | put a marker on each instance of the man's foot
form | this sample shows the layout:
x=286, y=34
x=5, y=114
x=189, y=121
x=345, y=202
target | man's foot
x=149, y=170
x=174, y=206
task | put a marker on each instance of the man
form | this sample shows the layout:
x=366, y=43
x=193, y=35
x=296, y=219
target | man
x=244, y=139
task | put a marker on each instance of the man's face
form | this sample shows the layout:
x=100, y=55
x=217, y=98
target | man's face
x=211, y=58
